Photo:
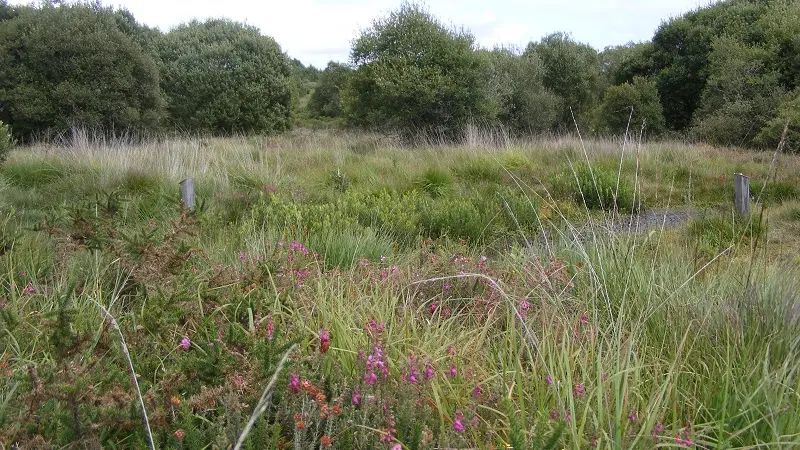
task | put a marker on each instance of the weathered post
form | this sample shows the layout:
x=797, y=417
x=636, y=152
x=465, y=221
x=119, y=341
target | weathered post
x=187, y=193
x=741, y=186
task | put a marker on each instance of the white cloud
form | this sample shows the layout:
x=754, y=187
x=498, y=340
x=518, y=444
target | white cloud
x=316, y=31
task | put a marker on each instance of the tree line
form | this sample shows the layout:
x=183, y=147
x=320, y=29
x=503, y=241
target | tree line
x=726, y=74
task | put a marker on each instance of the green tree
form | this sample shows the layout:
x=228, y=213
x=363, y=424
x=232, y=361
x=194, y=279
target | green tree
x=222, y=77
x=788, y=110
x=523, y=104
x=64, y=66
x=681, y=48
x=412, y=75
x=741, y=94
x=326, y=100
x=571, y=71
x=630, y=107
x=622, y=63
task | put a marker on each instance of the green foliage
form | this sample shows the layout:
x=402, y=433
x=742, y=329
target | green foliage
x=596, y=188
x=455, y=218
x=73, y=65
x=572, y=72
x=630, y=107
x=415, y=76
x=740, y=96
x=436, y=182
x=7, y=142
x=623, y=63
x=788, y=113
x=223, y=77
x=517, y=87
x=715, y=233
x=479, y=170
x=776, y=191
x=326, y=100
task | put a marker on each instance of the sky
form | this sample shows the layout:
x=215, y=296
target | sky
x=318, y=31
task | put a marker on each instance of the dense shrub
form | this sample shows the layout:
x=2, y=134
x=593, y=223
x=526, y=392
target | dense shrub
x=572, y=72
x=72, y=65
x=222, y=77
x=326, y=100
x=629, y=107
x=413, y=75
x=523, y=104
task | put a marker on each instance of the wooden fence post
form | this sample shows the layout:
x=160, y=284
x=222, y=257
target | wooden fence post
x=741, y=186
x=187, y=193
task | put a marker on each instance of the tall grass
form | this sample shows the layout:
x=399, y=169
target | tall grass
x=562, y=331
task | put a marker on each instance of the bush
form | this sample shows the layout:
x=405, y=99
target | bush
x=596, y=188
x=72, y=65
x=326, y=100
x=7, y=142
x=223, y=77
x=413, y=75
x=641, y=96
x=572, y=72
x=523, y=104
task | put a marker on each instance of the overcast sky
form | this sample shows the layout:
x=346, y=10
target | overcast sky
x=317, y=31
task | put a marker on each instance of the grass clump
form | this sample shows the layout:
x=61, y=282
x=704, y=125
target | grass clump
x=596, y=188
x=436, y=182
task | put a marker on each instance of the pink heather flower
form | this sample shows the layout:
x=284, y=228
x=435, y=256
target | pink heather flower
x=324, y=340
x=294, y=384
x=524, y=306
x=568, y=418
x=370, y=378
x=451, y=350
x=553, y=414
x=241, y=256
x=452, y=372
x=356, y=399
x=458, y=423
x=429, y=373
x=270, y=329
x=29, y=289
x=594, y=443
x=477, y=391
x=659, y=428
x=185, y=343
x=413, y=376
x=433, y=307
x=584, y=319
x=548, y=380
x=579, y=389
x=446, y=287
x=397, y=447
x=632, y=416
